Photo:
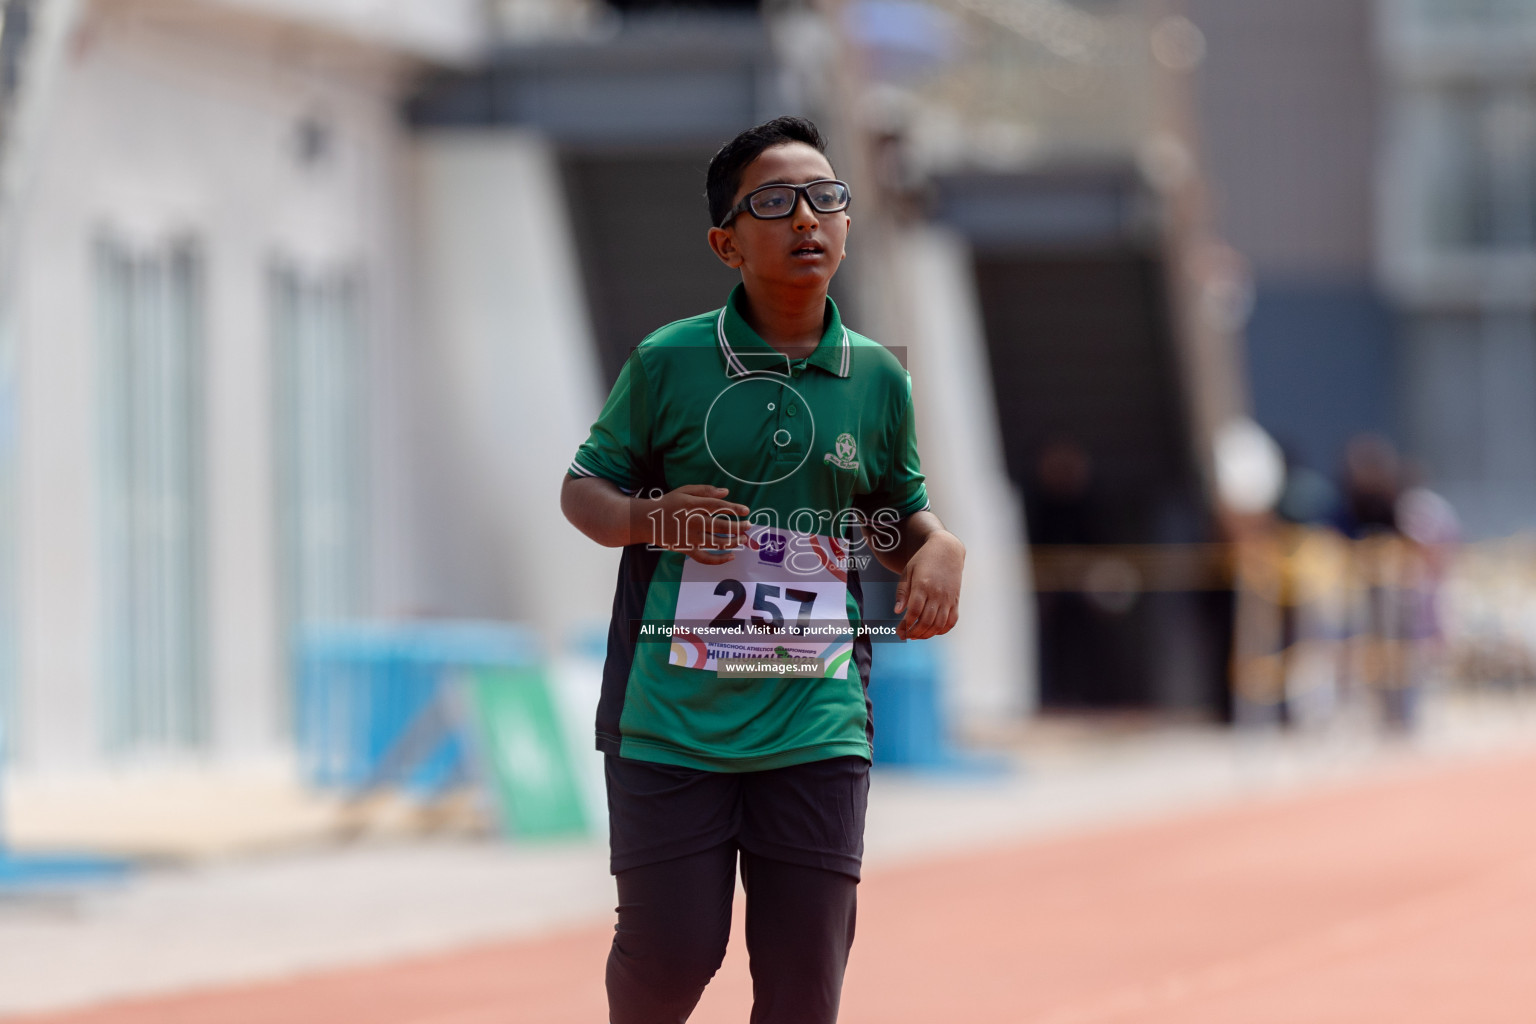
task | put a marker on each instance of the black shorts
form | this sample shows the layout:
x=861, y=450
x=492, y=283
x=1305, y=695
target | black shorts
x=808, y=814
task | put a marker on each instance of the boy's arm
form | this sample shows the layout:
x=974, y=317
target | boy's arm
x=694, y=519
x=930, y=561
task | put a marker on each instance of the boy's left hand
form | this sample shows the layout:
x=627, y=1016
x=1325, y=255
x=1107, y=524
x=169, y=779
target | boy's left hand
x=929, y=590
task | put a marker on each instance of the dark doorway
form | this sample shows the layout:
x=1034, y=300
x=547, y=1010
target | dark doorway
x=641, y=224
x=1095, y=430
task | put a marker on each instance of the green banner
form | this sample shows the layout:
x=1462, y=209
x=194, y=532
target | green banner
x=527, y=763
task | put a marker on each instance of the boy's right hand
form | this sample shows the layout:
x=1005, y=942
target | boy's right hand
x=696, y=520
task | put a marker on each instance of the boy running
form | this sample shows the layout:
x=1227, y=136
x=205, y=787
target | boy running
x=735, y=452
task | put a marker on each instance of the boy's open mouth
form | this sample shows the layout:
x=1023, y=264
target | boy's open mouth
x=808, y=249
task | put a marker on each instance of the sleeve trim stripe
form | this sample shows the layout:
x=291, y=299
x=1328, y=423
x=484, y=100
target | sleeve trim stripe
x=577, y=469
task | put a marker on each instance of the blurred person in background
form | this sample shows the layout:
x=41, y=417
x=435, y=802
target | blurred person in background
x=1063, y=509
x=1371, y=486
x=1431, y=526
x=1394, y=577
x=702, y=767
x=1314, y=564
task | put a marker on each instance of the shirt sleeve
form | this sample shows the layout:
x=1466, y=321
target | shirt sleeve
x=902, y=487
x=618, y=446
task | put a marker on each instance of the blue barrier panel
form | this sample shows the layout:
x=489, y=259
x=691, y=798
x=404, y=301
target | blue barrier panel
x=32, y=872
x=904, y=692
x=345, y=687
x=911, y=727
x=371, y=698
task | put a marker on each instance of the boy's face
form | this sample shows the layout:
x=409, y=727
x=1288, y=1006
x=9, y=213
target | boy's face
x=802, y=250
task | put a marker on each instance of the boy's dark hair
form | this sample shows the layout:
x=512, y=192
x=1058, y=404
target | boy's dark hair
x=725, y=169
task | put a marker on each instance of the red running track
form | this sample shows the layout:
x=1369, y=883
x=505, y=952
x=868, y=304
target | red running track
x=1407, y=900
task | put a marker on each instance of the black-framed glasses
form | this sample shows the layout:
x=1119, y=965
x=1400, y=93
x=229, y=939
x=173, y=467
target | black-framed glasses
x=771, y=202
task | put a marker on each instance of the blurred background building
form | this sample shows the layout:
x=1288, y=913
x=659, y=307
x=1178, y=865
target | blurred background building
x=1373, y=161
x=207, y=293
x=1456, y=247
x=304, y=306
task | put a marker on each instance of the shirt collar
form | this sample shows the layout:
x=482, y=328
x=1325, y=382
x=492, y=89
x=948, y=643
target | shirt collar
x=745, y=353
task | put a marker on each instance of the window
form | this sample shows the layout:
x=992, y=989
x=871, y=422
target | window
x=318, y=386
x=1485, y=14
x=150, y=394
x=1483, y=190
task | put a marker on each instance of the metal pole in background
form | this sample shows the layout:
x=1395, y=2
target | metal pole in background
x=914, y=289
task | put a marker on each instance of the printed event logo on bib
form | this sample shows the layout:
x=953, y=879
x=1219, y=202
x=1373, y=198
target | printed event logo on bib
x=785, y=594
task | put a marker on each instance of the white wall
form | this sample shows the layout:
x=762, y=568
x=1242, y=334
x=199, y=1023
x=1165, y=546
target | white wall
x=517, y=385
x=163, y=125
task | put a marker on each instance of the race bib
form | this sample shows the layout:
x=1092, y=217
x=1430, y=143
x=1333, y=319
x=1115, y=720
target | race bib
x=784, y=595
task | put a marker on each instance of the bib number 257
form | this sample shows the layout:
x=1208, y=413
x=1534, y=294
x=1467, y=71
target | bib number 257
x=765, y=598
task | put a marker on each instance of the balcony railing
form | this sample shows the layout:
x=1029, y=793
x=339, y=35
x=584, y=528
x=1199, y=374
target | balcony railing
x=1459, y=38
x=1004, y=83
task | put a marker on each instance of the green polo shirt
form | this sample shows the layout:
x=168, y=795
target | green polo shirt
x=810, y=446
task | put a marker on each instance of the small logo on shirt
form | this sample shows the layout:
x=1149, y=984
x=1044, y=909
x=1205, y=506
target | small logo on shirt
x=845, y=456
x=772, y=547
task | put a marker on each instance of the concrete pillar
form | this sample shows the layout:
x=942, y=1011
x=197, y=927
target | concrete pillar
x=517, y=382
x=993, y=647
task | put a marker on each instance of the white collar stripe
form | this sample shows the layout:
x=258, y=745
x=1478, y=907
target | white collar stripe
x=733, y=365
x=735, y=368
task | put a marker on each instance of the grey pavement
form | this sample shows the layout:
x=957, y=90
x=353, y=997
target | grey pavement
x=240, y=919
